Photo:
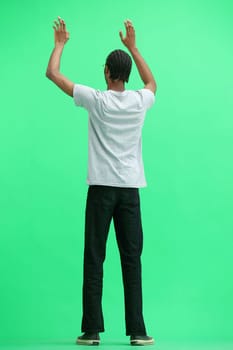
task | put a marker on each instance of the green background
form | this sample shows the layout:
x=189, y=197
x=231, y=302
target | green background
x=187, y=145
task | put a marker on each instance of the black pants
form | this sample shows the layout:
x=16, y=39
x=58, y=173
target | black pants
x=123, y=205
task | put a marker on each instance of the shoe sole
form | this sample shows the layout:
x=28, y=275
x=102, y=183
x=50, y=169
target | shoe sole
x=87, y=342
x=139, y=342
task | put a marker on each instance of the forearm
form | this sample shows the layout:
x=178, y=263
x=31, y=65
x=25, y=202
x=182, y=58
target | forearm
x=53, y=71
x=54, y=61
x=143, y=69
x=61, y=36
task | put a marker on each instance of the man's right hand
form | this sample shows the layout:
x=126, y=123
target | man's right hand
x=143, y=69
x=129, y=39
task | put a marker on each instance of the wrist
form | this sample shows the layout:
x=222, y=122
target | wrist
x=133, y=50
x=59, y=45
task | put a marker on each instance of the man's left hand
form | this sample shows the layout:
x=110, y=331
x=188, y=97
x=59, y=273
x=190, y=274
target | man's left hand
x=61, y=36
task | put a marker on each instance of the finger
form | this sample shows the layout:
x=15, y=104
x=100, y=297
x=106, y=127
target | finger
x=121, y=35
x=63, y=25
x=129, y=24
x=56, y=24
x=131, y=29
x=60, y=23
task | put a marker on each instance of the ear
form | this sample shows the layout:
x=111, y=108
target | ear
x=106, y=70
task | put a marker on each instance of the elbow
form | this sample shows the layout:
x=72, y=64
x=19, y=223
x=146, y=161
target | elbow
x=48, y=74
x=51, y=74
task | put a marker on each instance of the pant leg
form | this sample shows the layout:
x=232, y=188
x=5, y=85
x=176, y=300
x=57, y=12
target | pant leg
x=99, y=210
x=128, y=227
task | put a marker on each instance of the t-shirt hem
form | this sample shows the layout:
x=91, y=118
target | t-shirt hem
x=110, y=184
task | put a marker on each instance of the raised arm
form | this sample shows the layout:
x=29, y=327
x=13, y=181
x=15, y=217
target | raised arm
x=143, y=69
x=61, y=36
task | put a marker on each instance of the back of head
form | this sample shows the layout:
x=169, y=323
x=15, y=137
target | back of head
x=119, y=64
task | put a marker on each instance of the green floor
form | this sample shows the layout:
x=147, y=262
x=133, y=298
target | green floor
x=110, y=344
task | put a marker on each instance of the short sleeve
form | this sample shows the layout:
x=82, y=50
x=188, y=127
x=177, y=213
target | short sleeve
x=84, y=96
x=148, y=98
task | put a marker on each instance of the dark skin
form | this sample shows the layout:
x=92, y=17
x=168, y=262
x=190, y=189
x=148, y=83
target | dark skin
x=61, y=36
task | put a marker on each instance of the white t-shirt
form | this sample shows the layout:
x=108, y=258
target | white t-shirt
x=115, y=134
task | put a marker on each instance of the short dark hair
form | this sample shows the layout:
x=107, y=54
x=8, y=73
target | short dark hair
x=119, y=64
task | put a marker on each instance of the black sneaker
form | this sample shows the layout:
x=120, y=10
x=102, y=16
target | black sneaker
x=141, y=340
x=88, y=339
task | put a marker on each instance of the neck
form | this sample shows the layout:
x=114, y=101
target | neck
x=116, y=85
